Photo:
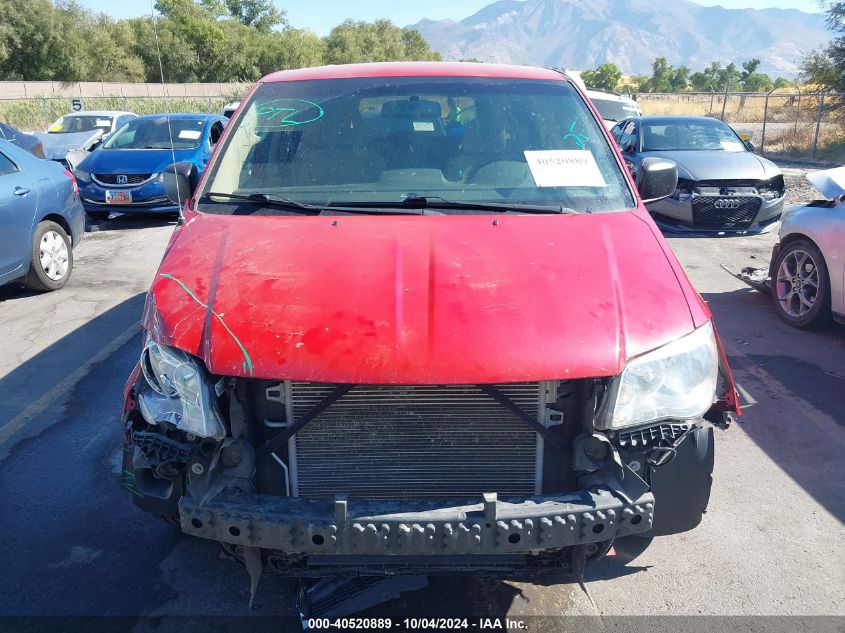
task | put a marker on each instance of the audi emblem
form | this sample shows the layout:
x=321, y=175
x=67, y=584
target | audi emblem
x=726, y=203
x=122, y=180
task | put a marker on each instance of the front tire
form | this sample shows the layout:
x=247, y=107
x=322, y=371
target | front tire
x=51, y=258
x=801, y=285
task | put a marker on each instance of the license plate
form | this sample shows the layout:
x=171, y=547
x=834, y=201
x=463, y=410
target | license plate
x=118, y=197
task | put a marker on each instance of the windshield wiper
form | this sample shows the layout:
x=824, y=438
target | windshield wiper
x=273, y=200
x=437, y=202
x=268, y=200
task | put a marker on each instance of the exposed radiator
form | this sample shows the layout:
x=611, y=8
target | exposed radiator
x=411, y=442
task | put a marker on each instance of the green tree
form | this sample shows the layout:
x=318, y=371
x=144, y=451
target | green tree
x=640, y=83
x=31, y=42
x=730, y=78
x=605, y=77
x=661, y=76
x=780, y=82
x=262, y=15
x=749, y=68
x=680, y=79
x=355, y=42
x=826, y=66
x=757, y=82
x=707, y=80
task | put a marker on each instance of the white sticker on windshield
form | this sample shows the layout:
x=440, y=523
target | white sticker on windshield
x=731, y=146
x=103, y=123
x=191, y=134
x=423, y=126
x=564, y=168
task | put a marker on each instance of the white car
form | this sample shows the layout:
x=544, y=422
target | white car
x=229, y=109
x=89, y=121
x=806, y=275
x=612, y=107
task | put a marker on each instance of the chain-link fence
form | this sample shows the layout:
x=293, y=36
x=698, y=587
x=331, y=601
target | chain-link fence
x=36, y=114
x=794, y=125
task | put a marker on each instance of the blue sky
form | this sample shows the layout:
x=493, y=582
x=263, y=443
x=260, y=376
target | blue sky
x=322, y=16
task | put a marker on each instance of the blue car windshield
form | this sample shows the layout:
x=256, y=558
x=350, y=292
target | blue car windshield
x=379, y=141
x=155, y=133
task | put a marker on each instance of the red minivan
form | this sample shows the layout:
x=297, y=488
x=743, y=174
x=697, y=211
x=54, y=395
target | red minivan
x=416, y=319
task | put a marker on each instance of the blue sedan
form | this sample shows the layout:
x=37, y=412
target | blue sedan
x=41, y=220
x=124, y=174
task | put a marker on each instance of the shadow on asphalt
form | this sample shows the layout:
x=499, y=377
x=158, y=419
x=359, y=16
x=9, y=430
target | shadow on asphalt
x=33, y=378
x=16, y=291
x=775, y=421
x=128, y=222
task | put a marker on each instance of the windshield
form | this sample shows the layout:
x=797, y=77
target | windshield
x=378, y=140
x=613, y=110
x=691, y=135
x=71, y=123
x=154, y=133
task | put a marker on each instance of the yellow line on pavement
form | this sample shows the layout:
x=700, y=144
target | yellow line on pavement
x=25, y=416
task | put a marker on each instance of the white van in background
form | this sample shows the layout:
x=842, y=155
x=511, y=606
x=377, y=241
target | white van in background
x=612, y=107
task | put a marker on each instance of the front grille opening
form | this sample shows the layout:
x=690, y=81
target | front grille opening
x=415, y=442
x=706, y=213
x=116, y=179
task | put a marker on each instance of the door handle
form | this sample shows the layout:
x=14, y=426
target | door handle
x=21, y=191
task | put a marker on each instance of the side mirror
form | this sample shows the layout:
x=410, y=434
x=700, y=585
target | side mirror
x=657, y=179
x=180, y=181
x=750, y=146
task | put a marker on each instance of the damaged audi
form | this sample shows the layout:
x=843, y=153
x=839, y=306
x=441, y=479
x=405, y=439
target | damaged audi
x=417, y=320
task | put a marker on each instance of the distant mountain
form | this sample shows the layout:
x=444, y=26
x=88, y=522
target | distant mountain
x=582, y=34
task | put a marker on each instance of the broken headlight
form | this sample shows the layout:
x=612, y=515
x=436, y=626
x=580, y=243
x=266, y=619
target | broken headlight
x=684, y=190
x=676, y=381
x=185, y=395
x=772, y=188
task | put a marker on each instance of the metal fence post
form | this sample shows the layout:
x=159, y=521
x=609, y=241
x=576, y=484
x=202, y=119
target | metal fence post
x=798, y=115
x=724, y=103
x=712, y=94
x=765, y=116
x=818, y=125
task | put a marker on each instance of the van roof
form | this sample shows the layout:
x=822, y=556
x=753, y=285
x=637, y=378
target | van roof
x=415, y=69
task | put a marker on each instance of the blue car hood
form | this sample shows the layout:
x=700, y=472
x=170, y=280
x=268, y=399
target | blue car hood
x=133, y=161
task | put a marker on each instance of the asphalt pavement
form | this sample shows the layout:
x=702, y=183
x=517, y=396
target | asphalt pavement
x=74, y=545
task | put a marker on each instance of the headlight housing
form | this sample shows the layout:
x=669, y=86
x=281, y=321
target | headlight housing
x=772, y=188
x=676, y=381
x=81, y=174
x=183, y=394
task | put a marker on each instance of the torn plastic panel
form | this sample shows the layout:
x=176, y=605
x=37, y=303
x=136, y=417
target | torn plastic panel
x=727, y=400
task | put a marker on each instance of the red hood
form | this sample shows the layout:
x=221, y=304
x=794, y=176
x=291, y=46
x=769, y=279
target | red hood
x=417, y=299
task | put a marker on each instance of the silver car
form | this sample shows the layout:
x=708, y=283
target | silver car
x=807, y=271
x=806, y=275
x=723, y=187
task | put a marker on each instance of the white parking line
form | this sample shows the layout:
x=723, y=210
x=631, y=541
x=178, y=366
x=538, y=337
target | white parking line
x=62, y=388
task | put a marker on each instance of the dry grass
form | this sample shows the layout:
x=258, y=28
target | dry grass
x=34, y=115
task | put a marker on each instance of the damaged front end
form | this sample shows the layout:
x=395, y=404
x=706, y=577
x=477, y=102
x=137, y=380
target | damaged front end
x=315, y=479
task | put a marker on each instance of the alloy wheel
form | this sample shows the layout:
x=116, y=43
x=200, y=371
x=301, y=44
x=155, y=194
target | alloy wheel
x=797, y=283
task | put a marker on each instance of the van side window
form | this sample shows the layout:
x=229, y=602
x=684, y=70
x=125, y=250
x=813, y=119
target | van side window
x=7, y=166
